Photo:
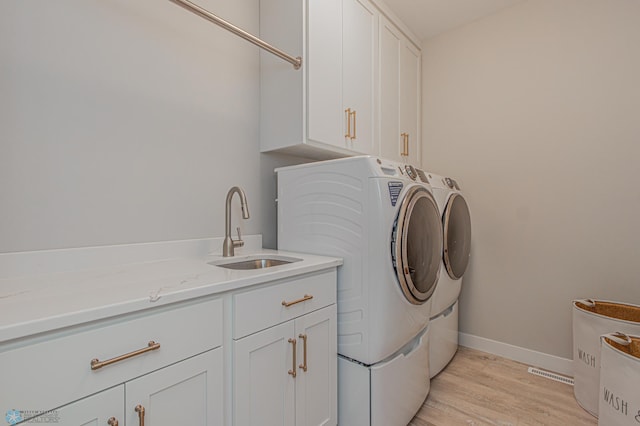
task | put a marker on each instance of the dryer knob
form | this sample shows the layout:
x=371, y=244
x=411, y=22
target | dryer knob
x=450, y=183
x=411, y=171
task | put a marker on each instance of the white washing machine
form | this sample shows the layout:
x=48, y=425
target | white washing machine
x=383, y=220
x=456, y=224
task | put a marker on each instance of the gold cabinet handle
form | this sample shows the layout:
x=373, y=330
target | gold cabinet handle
x=355, y=125
x=348, y=116
x=304, y=352
x=405, y=144
x=293, y=370
x=303, y=299
x=96, y=363
x=140, y=411
x=112, y=421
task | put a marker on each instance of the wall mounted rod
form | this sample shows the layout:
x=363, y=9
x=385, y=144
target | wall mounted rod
x=192, y=7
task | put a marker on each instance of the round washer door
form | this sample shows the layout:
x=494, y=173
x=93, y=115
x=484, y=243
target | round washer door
x=457, y=236
x=417, y=245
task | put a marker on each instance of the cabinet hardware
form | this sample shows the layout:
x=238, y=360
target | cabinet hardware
x=348, y=116
x=405, y=144
x=96, y=363
x=349, y=113
x=112, y=421
x=304, y=352
x=140, y=411
x=303, y=299
x=355, y=126
x=293, y=370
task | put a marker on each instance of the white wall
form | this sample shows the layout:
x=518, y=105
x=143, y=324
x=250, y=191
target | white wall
x=125, y=122
x=536, y=111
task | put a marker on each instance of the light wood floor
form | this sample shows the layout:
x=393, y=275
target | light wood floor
x=478, y=388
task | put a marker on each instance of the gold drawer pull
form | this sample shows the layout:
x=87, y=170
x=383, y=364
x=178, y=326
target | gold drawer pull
x=405, y=144
x=304, y=352
x=304, y=299
x=112, y=421
x=293, y=370
x=355, y=126
x=140, y=410
x=96, y=363
x=348, y=115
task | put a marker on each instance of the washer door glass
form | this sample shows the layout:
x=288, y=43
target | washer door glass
x=457, y=236
x=418, y=245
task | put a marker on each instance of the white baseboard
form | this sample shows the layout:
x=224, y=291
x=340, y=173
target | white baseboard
x=548, y=362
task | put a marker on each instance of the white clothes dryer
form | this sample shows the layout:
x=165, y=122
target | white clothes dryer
x=456, y=224
x=382, y=219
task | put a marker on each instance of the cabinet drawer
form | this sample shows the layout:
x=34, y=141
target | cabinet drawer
x=258, y=309
x=63, y=362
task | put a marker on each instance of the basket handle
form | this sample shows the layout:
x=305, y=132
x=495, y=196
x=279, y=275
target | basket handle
x=619, y=338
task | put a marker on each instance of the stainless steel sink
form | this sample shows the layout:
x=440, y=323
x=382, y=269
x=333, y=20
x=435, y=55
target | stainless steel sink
x=254, y=262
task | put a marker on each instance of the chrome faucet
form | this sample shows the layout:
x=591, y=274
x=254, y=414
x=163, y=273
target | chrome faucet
x=229, y=243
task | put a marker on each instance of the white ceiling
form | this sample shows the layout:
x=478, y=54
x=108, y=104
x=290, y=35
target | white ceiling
x=427, y=18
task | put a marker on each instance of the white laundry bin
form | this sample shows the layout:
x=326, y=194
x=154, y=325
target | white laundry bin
x=619, y=380
x=592, y=319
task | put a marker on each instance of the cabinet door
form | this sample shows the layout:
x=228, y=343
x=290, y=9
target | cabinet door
x=324, y=72
x=410, y=66
x=400, y=65
x=391, y=141
x=359, y=41
x=95, y=410
x=186, y=393
x=316, y=388
x=263, y=388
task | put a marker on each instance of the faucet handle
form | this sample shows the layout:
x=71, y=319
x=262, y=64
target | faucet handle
x=238, y=242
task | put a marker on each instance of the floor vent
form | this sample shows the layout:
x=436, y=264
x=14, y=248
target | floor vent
x=551, y=376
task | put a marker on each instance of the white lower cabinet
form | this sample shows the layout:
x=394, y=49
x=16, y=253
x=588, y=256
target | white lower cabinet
x=264, y=391
x=104, y=408
x=186, y=393
x=271, y=356
x=286, y=374
x=316, y=386
x=146, y=355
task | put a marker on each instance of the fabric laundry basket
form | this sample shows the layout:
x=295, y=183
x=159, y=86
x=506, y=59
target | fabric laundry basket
x=619, y=380
x=592, y=319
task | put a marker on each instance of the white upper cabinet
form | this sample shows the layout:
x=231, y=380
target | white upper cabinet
x=400, y=73
x=391, y=145
x=358, y=91
x=410, y=100
x=327, y=108
x=359, y=41
x=323, y=68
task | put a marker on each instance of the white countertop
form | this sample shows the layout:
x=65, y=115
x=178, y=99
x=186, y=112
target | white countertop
x=49, y=301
